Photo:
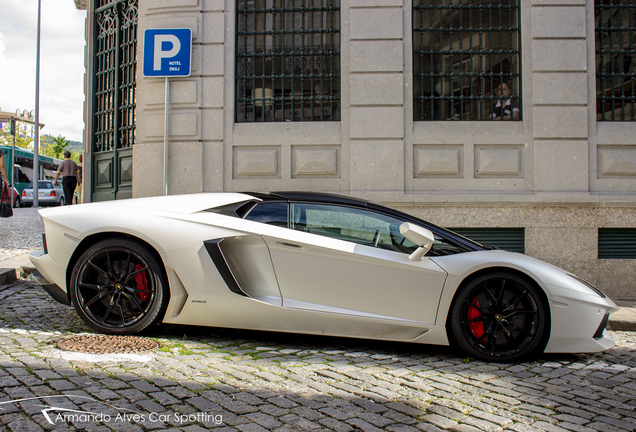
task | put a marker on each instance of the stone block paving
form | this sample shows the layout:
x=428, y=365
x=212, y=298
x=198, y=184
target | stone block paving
x=231, y=380
x=21, y=233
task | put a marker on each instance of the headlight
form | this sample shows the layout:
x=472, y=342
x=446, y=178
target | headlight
x=587, y=284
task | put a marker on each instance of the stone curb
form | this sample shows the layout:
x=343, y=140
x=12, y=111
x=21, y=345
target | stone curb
x=20, y=267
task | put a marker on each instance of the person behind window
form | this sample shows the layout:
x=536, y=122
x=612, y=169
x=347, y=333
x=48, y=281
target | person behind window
x=505, y=109
x=70, y=177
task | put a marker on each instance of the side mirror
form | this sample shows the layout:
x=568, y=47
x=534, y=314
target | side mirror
x=420, y=236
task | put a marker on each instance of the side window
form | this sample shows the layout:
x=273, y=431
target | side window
x=350, y=224
x=271, y=213
x=442, y=247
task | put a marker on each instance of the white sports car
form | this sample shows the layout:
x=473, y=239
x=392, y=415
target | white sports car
x=311, y=263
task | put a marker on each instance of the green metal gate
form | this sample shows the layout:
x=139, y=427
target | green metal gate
x=113, y=105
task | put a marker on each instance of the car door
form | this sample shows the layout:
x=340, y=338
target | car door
x=353, y=261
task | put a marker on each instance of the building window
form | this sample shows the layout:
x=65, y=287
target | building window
x=615, y=59
x=287, y=60
x=466, y=60
x=617, y=243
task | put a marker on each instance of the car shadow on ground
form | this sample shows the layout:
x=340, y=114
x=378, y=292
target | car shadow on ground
x=27, y=307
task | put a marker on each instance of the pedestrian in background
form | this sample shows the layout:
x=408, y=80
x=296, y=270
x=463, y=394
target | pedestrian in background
x=70, y=173
x=80, y=199
x=6, y=209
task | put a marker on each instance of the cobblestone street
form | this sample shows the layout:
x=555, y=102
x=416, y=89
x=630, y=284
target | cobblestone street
x=229, y=380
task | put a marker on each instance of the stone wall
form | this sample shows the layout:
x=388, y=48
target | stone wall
x=559, y=173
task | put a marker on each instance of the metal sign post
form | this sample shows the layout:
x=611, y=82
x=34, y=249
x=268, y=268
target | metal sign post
x=12, y=181
x=167, y=53
x=36, y=143
x=166, y=133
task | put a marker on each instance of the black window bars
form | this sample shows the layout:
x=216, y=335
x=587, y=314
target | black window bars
x=615, y=22
x=287, y=60
x=463, y=51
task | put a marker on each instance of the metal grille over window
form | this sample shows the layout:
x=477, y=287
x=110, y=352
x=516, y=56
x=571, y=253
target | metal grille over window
x=615, y=22
x=617, y=243
x=113, y=106
x=510, y=239
x=466, y=60
x=288, y=60
x=115, y=70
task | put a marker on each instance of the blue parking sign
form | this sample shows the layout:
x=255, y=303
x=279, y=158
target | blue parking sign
x=167, y=52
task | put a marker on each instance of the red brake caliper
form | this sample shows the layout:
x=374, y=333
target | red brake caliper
x=477, y=327
x=142, y=283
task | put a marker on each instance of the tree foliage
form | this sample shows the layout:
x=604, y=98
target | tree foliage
x=54, y=146
x=23, y=142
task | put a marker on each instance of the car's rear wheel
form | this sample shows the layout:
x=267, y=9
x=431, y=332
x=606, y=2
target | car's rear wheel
x=500, y=317
x=17, y=203
x=118, y=286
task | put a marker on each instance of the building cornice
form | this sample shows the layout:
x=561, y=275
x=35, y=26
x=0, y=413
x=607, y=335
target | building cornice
x=81, y=4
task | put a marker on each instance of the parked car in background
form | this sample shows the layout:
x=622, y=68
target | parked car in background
x=17, y=201
x=48, y=194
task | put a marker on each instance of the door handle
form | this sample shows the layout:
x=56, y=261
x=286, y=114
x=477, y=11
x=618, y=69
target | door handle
x=290, y=245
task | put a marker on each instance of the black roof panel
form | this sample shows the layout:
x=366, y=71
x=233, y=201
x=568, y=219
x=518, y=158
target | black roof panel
x=320, y=197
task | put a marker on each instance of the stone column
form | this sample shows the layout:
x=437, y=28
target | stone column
x=559, y=64
x=377, y=96
x=196, y=102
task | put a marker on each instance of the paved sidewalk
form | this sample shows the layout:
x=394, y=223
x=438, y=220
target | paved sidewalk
x=227, y=380
x=19, y=235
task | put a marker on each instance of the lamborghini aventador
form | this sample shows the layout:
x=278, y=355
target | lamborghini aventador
x=311, y=263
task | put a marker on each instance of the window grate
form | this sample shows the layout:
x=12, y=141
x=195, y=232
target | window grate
x=463, y=51
x=287, y=60
x=510, y=239
x=115, y=66
x=615, y=22
x=617, y=243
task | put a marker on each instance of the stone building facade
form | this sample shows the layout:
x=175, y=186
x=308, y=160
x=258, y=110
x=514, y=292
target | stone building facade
x=563, y=174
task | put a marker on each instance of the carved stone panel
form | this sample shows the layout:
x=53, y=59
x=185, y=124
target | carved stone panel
x=315, y=161
x=616, y=161
x=256, y=162
x=438, y=160
x=498, y=161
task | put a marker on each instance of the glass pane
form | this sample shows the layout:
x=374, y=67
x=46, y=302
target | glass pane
x=615, y=59
x=463, y=52
x=350, y=224
x=288, y=60
x=269, y=213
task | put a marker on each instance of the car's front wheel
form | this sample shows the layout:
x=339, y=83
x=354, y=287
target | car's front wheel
x=118, y=286
x=500, y=317
x=17, y=202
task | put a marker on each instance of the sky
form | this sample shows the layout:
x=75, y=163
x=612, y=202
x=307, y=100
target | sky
x=61, y=63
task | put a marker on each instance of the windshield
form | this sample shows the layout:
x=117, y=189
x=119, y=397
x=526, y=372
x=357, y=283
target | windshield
x=41, y=185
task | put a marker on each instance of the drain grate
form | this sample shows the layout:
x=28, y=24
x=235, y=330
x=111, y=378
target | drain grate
x=106, y=344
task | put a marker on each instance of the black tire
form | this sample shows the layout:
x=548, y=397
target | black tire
x=17, y=203
x=500, y=317
x=118, y=286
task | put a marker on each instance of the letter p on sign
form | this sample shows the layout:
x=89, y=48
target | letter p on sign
x=160, y=53
x=167, y=52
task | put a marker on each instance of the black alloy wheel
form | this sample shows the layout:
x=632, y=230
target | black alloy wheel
x=118, y=286
x=500, y=317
